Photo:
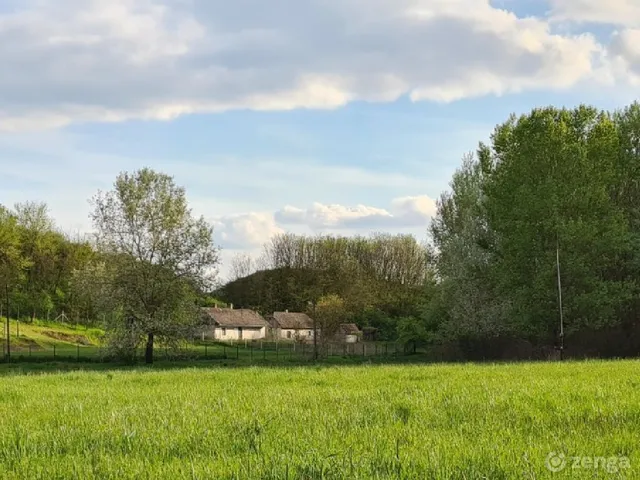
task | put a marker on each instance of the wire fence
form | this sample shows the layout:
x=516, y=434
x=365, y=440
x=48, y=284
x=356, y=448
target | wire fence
x=251, y=352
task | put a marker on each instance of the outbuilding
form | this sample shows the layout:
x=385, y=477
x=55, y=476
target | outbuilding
x=292, y=326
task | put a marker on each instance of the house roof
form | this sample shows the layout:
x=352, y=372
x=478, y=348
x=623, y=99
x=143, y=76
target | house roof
x=349, y=329
x=293, y=320
x=230, y=318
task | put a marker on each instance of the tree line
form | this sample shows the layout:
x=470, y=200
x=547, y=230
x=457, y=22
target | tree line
x=376, y=279
x=534, y=245
x=541, y=225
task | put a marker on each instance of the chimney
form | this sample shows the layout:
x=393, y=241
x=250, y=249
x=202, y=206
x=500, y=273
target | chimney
x=286, y=311
x=215, y=304
x=231, y=306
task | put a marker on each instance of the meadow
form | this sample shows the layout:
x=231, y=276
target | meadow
x=353, y=422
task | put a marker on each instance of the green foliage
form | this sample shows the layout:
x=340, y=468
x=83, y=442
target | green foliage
x=552, y=182
x=158, y=259
x=381, y=275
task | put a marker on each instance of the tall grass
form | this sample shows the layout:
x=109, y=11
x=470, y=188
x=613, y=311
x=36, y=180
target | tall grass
x=410, y=422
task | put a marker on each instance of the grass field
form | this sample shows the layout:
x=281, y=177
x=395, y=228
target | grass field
x=41, y=339
x=441, y=421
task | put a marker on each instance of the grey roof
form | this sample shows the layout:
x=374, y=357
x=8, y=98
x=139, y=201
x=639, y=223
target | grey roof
x=293, y=320
x=349, y=329
x=229, y=318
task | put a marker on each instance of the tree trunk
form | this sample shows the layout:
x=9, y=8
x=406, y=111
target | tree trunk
x=148, y=354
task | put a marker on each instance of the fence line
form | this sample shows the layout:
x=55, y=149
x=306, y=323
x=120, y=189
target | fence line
x=251, y=352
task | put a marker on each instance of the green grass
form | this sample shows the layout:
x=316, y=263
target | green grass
x=419, y=422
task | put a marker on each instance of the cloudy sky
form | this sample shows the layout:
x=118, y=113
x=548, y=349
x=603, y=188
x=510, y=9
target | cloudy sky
x=342, y=116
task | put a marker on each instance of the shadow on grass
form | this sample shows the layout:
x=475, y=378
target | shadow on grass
x=43, y=367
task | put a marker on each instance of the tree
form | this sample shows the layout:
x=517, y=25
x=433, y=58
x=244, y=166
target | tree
x=242, y=265
x=549, y=189
x=328, y=313
x=12, y=263
x=160, y=255
x=463, y=252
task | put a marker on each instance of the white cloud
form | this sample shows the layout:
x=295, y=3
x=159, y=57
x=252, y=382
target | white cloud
x=248, y=230
x=624, y=55
x=615, y=12
x=90, y=60
x=405, y=212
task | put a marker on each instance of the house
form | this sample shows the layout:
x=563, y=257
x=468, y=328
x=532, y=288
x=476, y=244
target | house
x=233, y=324
x=348, y=333
x=292, y=325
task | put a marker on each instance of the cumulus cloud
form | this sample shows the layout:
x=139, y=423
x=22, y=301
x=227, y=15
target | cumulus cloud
x=615, y=12
x=90, y=60
x=624, y=55
x=245, y=231
x=405, y=212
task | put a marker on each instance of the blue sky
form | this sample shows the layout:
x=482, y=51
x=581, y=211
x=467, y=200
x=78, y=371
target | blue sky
x=341, y=116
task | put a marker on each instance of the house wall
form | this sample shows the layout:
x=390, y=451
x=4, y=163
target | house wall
x=232, y=333
x=351, y=338
x=285, y=332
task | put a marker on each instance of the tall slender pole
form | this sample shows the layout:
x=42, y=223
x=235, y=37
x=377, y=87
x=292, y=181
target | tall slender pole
x=560, y=298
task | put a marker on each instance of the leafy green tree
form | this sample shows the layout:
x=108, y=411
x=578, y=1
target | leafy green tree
x=329, y=312
x=12, y=263
x=463, y=252
x=160, y=256
x=549, y=189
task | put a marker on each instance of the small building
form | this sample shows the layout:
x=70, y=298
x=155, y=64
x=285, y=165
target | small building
x=227, y=324
x=348, y=333
x=292, y=326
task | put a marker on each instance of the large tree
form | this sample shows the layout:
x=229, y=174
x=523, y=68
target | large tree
x=159, y=255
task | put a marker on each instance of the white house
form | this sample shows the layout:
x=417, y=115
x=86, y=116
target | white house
x=234, y=324
x=292, y=326
x=348, y=333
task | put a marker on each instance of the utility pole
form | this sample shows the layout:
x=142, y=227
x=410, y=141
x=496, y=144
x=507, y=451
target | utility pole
x=560, y=298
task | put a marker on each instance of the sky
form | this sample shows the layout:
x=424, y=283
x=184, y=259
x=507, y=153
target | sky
x=307, y=116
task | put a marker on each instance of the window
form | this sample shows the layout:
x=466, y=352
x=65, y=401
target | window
x=310, y=332
x=224, y=332
x=289, y=334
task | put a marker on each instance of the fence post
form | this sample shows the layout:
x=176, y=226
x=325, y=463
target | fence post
x=29, y=350
x=54, y=351
x=237, y=351
x=251, y=352
x=264, y=353
x=78, y=352
x=205, y=350
x=224, y=350
x=363, y=349
x=277, y=352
